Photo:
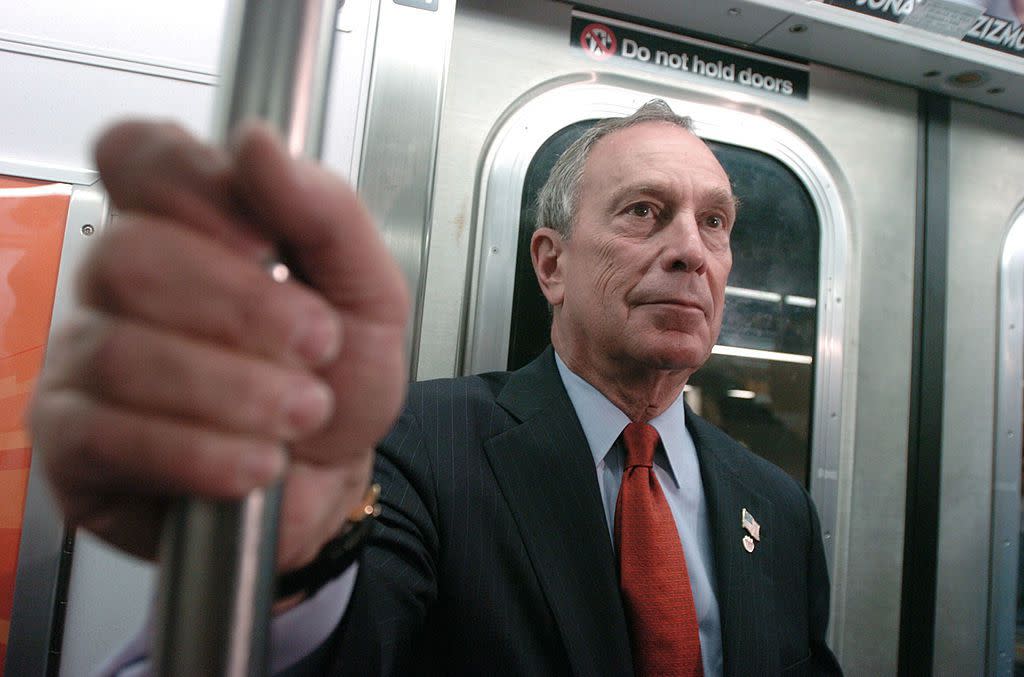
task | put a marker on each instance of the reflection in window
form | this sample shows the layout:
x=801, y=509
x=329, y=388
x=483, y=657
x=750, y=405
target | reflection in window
x=758, y=386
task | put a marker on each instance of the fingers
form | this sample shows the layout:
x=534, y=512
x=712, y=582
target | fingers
x=151, y=372
x=155, y=272
x=160, y=169
x=323, y=227
x=328, y=236
x=92, y=446
x=114, y=469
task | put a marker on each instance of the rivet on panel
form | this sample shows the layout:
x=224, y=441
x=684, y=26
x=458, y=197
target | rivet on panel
x=88, y=229
x=734, y=11
x=798, y=28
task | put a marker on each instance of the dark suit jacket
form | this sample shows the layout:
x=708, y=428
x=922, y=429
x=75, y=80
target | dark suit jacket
x=492, y=555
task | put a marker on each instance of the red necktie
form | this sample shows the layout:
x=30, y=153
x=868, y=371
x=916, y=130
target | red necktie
x=655, y=585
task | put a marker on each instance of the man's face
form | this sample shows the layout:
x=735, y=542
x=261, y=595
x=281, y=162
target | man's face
x=642, y=278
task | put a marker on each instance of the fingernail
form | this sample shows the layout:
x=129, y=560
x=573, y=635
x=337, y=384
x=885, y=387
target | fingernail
x=318, y=338
x=307, y=408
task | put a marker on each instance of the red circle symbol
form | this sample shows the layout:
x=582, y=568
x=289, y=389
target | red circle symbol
x=598, y=41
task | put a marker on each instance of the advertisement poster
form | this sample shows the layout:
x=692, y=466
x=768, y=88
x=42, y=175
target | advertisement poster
x=994, y=24
x=33, y=216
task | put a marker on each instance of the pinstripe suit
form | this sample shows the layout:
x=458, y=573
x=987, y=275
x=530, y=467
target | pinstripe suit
x=492, y=554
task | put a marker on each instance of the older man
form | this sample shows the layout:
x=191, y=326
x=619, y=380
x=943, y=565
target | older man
x=572, y=517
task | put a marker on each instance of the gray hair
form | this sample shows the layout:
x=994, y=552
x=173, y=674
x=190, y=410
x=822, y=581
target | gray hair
x=558, y=201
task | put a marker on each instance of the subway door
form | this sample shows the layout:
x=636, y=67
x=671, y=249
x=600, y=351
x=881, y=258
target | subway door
x=979, y=624
x=814, y=351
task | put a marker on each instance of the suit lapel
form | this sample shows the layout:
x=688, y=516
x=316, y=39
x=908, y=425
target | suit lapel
x=546, y=473
x=743, y=579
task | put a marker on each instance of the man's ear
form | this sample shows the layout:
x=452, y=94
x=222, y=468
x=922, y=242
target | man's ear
x=546, y=251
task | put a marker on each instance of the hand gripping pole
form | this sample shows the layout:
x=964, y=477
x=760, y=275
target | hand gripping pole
x=217, y=559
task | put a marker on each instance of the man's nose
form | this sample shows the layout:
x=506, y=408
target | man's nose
x=684, y=247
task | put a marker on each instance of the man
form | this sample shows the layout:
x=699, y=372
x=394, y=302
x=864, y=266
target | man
x=496, y=550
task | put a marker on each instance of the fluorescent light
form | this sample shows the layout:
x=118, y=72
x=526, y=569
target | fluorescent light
x=741, y=394
x=762, y=354
x=802, y=301
x=755, y=294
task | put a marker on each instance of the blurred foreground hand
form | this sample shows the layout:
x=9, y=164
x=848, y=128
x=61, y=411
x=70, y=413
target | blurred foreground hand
x=188, y=369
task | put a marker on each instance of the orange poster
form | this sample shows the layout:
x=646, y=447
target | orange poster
x=33, y=215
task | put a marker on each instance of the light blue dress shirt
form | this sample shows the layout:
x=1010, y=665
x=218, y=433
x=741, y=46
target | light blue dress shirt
x=678, y=472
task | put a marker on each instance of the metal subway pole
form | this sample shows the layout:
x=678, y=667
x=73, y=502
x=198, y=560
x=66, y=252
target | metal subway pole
x=217, y=561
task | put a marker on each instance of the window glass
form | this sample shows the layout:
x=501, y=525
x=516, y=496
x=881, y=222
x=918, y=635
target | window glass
x=758, y=386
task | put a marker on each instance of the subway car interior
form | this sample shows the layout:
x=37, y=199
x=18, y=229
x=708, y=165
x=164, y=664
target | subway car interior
x=872, y=343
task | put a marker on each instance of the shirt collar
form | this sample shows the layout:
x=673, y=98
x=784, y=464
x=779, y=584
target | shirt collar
x=603, y=422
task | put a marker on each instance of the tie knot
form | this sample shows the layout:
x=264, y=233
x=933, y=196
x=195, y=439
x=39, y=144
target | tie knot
x=640, y=439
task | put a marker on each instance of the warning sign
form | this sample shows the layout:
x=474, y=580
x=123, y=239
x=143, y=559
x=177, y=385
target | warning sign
x=599, y=41
x=603, y=38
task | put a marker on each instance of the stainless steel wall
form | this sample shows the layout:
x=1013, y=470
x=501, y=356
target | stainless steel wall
x=986, y=188
x=868, y=129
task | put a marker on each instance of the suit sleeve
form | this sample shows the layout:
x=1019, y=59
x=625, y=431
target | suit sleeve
x=397, y=582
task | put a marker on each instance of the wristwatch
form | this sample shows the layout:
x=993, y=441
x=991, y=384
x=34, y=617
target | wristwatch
x=337, y=554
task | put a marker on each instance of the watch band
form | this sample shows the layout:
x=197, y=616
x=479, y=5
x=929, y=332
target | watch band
x=337, y=555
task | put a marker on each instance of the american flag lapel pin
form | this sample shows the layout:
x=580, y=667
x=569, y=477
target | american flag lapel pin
x=752, y=528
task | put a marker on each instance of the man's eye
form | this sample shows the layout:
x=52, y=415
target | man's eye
x=714, y=221
x=642, y=209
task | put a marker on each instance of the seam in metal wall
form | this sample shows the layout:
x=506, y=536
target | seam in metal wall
x=924, y=444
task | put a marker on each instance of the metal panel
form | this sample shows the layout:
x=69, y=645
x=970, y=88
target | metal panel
x=400, y=138
x=61, y=107
x=869, y=45
x=738, y=20
x=184, y=35
x=986, y=184
x=39, y=558
x=503, y=56
x=1006, y=492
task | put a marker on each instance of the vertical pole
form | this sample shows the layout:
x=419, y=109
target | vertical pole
x=217, y=561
